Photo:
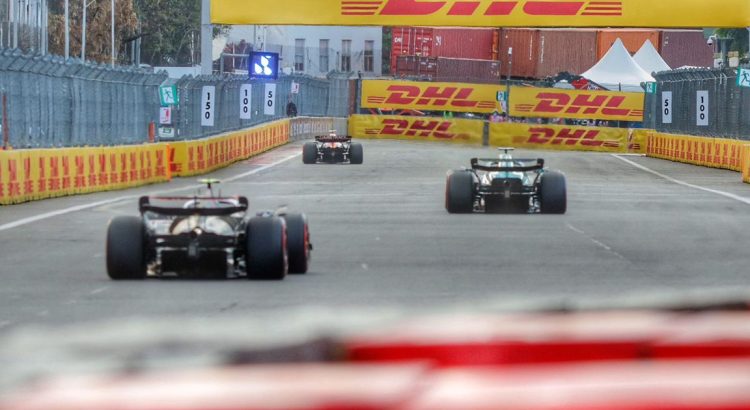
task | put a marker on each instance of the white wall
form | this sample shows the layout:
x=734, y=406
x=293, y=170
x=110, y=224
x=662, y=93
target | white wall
x=282, y=39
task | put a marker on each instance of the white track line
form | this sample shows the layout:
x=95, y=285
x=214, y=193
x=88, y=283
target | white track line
x=737, y=198
x=47, y=215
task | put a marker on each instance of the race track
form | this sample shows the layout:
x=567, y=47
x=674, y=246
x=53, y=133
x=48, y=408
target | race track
x=383, y=239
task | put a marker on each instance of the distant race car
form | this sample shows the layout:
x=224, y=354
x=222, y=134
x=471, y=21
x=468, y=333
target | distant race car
x=332, y=148
x=506, y=184
x=206, y=237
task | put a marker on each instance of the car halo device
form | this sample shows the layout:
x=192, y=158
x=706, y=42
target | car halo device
x=263, y=65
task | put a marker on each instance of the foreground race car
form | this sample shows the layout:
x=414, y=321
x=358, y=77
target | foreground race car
x=206, y=237
x=332, y=148
x=506, y=185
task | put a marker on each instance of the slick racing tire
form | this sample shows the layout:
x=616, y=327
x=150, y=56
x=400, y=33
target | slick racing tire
x=125, y=248
x=459, y=193
x=356, y=153
x=309, y=153
x=298, y=242
x=266, y=256
x=553, y=193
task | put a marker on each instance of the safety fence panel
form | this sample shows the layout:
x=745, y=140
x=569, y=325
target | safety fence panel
x=431, y=96
x=556, y=137
x=27, y=175
x=699, y=102
x=416, y=128
x=575, y=104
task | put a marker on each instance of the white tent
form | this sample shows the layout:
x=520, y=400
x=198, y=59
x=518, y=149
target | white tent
x=618, y=71
x=649, y=59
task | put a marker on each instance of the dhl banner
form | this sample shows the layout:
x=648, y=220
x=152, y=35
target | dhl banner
x=485, y=13
x=555, y=137
x=704, y=151
x=576, y=104
x=423, y=96
x=205, y=155
x=416, y=128
x=27, y=175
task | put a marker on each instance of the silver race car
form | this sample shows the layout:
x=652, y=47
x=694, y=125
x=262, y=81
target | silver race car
x=506, y=184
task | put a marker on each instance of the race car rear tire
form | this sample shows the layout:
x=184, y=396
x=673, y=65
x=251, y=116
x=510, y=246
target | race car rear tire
x=125, y=248
x=298, y=242
x=553, y=193
x=309, y=153
x=266, y=256
x=459, y=193
x=356, y=153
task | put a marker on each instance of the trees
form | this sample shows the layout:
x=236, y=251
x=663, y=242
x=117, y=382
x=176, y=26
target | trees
x=739, y=38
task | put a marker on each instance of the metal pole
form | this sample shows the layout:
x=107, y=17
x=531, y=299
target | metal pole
x=13, y=29
x=67, y=29
x=507, y=82
x=83, y=33
x=6, y=127
x=112, y=32
x=206, y=38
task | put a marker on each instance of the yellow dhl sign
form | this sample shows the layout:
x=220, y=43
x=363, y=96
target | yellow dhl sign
x=485, y=13
x=576, y=104
x=556, y=137
x=416, y=128
x=423, y=96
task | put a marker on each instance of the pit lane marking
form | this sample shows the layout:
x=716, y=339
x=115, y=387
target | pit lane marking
x=595, y=241
x=73, y=209
x=728, y=195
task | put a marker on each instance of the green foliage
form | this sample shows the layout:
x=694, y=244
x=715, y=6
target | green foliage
x=740, y=39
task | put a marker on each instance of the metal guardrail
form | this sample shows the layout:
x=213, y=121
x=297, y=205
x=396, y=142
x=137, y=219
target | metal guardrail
x=57, y=103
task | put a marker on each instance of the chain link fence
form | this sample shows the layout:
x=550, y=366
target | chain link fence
x=54, y=103
x=727, y=108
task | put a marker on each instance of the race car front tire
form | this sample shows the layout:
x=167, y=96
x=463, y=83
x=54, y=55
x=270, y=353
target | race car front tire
x=298, y=242
x=309, y=153
x=553, y=193
x=356, y=153
x=125, y=248
x=266, y=255
x=459, y=193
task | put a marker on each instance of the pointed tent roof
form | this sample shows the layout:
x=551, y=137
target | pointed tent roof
x=649, y=59
x=617, y=69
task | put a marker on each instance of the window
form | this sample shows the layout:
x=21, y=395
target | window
x=346, y=55
x=323, y=56
x=299, y=55
x=369, y=56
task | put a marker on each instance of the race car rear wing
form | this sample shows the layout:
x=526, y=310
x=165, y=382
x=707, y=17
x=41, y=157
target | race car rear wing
x=237, y=204
x=328, y=138
x=480, y=164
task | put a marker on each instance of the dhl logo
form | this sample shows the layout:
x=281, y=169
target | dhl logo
x=408, y=95
x=417, y=128
x=480, y=8
x=565, y=136
x=585, y=104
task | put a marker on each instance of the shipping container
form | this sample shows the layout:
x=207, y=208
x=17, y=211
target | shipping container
x=632, y=38
x=412, y=66
x=681, y=48
x=410, y=41
x=471, y=43
x=573, y=51
x=524, y=45
x=467, y=70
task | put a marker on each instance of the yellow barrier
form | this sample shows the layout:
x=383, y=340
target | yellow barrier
x=27, y=175
x=416, y=128
x=704, y=151
x=202, y=156
x=558, y=137
x=576, y=104
x=422, y=96
x=746, y=163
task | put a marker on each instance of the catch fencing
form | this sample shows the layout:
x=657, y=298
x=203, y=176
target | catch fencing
x=702, y=102
x=56, y=103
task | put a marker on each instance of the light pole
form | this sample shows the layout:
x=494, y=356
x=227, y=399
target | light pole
x=83, y=33
x=67, y=29
x=112, y=33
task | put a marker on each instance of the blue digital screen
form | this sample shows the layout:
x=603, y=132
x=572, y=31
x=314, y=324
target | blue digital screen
x=264, y=65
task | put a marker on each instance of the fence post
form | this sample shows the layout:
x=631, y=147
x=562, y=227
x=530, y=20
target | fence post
x=6, y=126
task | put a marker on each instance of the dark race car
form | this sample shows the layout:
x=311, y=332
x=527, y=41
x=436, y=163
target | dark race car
x=206, y=237
x=506, y=184
x=332, y=148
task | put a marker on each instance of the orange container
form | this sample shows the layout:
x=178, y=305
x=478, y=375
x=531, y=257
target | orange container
x=632, y=38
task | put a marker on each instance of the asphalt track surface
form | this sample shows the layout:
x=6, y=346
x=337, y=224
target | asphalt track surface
x=383, y=239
